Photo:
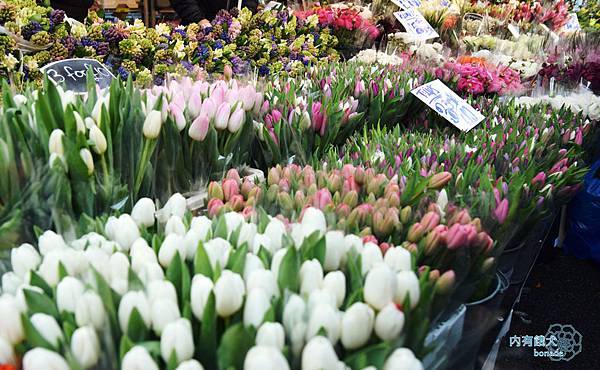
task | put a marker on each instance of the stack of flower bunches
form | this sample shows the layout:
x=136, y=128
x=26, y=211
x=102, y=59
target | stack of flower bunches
x=359, y=201
x=211, y=294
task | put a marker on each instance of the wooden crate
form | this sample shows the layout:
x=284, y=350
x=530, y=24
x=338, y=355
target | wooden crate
x=113, y=4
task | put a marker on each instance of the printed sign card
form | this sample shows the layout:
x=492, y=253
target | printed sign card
x=416, y=24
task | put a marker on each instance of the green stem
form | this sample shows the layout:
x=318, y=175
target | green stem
x=105, y=173
x=142, y=169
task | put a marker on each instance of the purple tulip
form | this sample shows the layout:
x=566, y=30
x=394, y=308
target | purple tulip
x=501, y=211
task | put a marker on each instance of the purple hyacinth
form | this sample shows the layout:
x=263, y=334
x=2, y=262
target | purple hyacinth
x=57, y=16
x=30, y=29
x=239, y=66
x=264, y=71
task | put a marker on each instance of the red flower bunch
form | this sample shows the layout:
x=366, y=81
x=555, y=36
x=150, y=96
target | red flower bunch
x=341, y=19
x=479, y=78
x=553, y=14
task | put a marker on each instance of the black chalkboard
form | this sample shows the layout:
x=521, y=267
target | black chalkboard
x=72, y=73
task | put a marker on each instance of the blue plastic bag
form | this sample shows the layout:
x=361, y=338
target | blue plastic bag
x=583, y=236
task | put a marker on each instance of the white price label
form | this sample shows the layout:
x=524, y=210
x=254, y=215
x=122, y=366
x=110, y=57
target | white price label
x=449, y=105
x=416, y=24
x=514, y=29
x=572, y=24
x=407, y=4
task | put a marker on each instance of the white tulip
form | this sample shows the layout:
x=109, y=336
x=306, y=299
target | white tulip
x=297, y=335
x=24, y=259
x=11, y=282
x=334, y=250
x=48, y=269
x=271, y=334
x=161, y=289
x=111, y=227
x=265, y=280
x=119, y=267
x=233, y=220
x=202, y=286
x=47, y=327
x=175, y=226
x=275, y=230
x=98, y=140
x=90, y=310
x=7, y=353
x=252, y=264
x=68, y=293
x=402, y=358
x=202, y=225
x=151, y=271
x=10, y=324
x=141, y=254
x=172, y=245
x=19, y=100
x=326, y=317
x=293, y=313
x=369, y=257
x=311, y=276
x=313, y=220
x=177, y=337
x=389, y=322
x=335, y=283
x=152, y=125
x=191, y=240
x=257, y=305
x=380, y=286
x=176, y=205
x=89, y=122
x=88, y=160
x=143, y=212
x=49, y=241
x=79, y=122
x=120, y=286
x=297, y=235
x=57, y=160
x=164, y=312
x=229, y=293
x=320, y=296
x=320, y=355
x=190, y=365
x=357, y=325
x=247, y=233
x=41, y=358
x=127, y=232
x=55, y=145
x=398, y=258
x=129, y=301
x=407, y=286
x=138, y=358
x=276, y=261
x=218, y=251
x=85, y=346
x=264, y=241
x=265, y=358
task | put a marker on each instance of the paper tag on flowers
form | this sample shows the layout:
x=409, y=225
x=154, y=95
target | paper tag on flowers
x=514, y=30
x=273, y=5
x=407, y=4
x=416, y=24
x=572, y=24
x=449, y=105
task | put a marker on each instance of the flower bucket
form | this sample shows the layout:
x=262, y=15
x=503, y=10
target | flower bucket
x=444, y=338
x=480, y=316
x=509, y=257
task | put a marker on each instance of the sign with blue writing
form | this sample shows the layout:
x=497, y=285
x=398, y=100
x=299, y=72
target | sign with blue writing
x=407, y=4
x=572, y=23
x=72, y=73
x=415, y=24
x=449, y=105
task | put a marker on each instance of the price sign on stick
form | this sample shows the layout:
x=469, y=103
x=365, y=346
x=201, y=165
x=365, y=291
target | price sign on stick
x=572, y=24
x=416, y=24
x=449, y=105
x=407, y=4
x=72, y=73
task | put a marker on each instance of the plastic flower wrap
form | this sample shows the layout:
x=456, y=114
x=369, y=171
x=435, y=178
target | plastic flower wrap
x=474, y=76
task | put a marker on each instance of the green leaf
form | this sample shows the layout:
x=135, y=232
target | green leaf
x=202, y=262
x=136, y=328
x=374, y=355
x=172, y=363
x=235, y=343
x=220, y=228
x=174, y=273
x=207, y=344
x=124, y=347
x=38, y=281
x=134, y=282
x=62, y=271
x=289, y=271
x=237, y=261
x=34, y=338
x=40, y=303
x=265, y=257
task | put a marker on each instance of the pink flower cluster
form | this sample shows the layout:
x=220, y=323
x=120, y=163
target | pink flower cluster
x=478, y=79
x=553, y=14
x=341, y=18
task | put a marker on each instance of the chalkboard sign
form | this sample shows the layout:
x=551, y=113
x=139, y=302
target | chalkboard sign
x=72, y=73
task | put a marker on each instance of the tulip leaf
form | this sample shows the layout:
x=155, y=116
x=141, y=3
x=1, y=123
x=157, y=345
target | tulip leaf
x=172, y=363
x=72, y=361
x=68, y=329
x=124, y=347
x=289, y=271
x=207, y=343
x=202, y=262
x=220, y=228
x=34, y=338
x=136, y=328
x=62, y=271
x=187, y=311
x=237, y=261
x=264, y=256
x=186, y=283
x=134, y=282
x=153, y=347
x=374, y=355
x=235, y=235
x=174, y=273
x=38, y=281
x=40, y=303
x=235, y=343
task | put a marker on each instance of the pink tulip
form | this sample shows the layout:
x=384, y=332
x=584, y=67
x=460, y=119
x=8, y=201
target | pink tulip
x=222, y=117
x=276, y=116
x=209, y=108
x=322, y=199
x=456, y=237
x=247, y=95
x=501, y=211
x=317, y=116
x=258, y=102
x=214, y=207
x=236, y=120
x=177, y=114
x=539, y=179
x=579, y=137
x=230, y=188
x=194, y=106
x=430, y=220
x=179, y=100
x=199, y=128
x=232, y=96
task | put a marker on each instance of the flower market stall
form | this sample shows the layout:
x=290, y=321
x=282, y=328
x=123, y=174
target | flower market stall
x=315, y=185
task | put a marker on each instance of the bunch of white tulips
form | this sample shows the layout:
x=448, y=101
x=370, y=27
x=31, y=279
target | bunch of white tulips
x=165, y=290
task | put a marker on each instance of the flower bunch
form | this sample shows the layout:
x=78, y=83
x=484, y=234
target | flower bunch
x=476, y=78
x=589, y=16
x=553, y=14
x=213, y=294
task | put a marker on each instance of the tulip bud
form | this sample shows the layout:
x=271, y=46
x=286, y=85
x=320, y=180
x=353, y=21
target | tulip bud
x=230, y=188
x=55, y=145
x=405, y=214
x=222, y=116
x=351, y=199
x=41, y=358
x=236, y=120
x=177, y=338
x=48, y=328
x=462, y=217
x=313, y=220
x=152, y=125
x=24, y=259
x=215, y=191
x=416, y=232
x=257, y=304
x=271, y=334
x=228, y=74
x=324, y=316
x=407, y=285
x=138, y=358
x=214, y=206
x=143, y=212
x=357, y=325
x=85, y=346
x=89, y=310
x=439, y=180
x=432, y=241
x=389, y=322
x=265, y=358
x=402, y=358
x=10, y=325
x=68, y=292
x=199, y=128
x=7, y=353
x=285, y=201
x=190, y=365
x=172, y=244
x=446, y=282
x=98, y=140
x=88, y=160
x=318, y=354
x=335, y=283
x=311, y=276
x=380, y=286
x=133, y=300
x=398, y=259
x=229, y=293
x=429, y=221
